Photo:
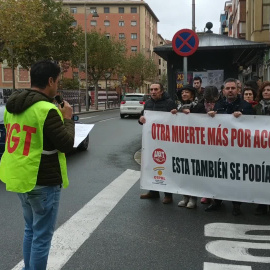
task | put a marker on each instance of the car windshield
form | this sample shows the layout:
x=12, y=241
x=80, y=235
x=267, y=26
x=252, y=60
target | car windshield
x=2, y=109
x=133, y=98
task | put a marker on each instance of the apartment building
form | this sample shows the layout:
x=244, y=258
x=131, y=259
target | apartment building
x=238, y=19
x=132, y=20
x=257, y=29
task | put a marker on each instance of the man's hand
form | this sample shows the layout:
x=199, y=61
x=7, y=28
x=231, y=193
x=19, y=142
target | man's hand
x=66, y=111
x=173, y=111
x=237, y=114
x=142, y=119
x=212, y=113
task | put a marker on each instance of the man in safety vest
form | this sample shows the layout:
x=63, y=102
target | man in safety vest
x=33, y=164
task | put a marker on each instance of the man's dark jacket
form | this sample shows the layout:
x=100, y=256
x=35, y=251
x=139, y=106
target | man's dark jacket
x=165, y=104
x=224, y=107
x=56, y=134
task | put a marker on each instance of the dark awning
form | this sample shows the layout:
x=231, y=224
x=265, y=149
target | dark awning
x=243, y=50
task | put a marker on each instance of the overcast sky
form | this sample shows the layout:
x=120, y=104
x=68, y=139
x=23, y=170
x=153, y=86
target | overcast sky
x=175, y=15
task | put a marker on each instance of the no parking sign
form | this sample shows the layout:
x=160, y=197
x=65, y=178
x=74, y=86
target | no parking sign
x=185, y=42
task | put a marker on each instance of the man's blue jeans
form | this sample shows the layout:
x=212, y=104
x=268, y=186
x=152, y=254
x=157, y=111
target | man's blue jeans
x=40, y=208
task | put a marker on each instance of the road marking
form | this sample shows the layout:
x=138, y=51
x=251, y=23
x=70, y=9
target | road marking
x=237, y=231
x=237, y=251
x=107, y=119
x=74, y=232
x=88, y=117
x=216, y=266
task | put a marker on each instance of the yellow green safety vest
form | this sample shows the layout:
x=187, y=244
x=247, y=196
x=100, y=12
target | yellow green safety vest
x=24, y=145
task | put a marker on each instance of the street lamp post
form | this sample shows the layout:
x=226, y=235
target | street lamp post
x=107, y=77
x=95, y=15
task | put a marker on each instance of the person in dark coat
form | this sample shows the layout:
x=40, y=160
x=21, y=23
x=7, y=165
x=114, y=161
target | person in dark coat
x=188, y=104
x=263, y=108
x=159, y=101
x=230, y=104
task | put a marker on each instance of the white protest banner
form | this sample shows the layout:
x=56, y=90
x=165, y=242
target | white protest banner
x=193, y=154
x=81, y=132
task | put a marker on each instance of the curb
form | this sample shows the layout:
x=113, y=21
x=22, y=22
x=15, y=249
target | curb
x=137, y=156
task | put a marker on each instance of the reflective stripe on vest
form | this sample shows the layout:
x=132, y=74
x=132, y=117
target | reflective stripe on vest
x=24, y=145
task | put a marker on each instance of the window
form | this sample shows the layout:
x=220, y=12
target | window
x=134, y=48
x=133, y=36
x=106, y=10
x=107, y=23
x=73, y=10
x=74, y=24
x=121, y=23
x=266, y=14
x=121, y=10
x=133, y=23
x=121, y=36
x=93, y=22
x=93, y=10
x=108, y=35
x=133, y=10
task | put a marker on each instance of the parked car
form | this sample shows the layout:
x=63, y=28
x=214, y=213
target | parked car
x=132, y=104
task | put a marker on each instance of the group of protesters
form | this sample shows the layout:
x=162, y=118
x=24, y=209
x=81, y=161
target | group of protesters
x=237, y=98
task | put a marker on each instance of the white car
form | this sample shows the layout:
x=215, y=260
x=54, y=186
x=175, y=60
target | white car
x=132, y=104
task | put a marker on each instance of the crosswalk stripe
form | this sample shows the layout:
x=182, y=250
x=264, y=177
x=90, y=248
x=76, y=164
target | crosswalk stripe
x=74, y=232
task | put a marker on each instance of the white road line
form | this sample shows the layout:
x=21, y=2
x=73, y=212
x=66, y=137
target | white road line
x=89, y=117
x=107, y=119
x=216, y=266
x=73, y=233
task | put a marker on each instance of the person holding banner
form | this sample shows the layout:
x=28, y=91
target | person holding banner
x=210, y=97
x=230, y=104
x=188, y=104
x=263, y=108
x=159, y=101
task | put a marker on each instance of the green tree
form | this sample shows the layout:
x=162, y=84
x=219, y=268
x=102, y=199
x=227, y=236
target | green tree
x=35, y=29
x=137, y=69
x=103, y=55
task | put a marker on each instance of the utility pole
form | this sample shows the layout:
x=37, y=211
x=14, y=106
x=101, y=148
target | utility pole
x=193, y=15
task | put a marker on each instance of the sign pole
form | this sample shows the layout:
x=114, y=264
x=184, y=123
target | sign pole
x=185, y=70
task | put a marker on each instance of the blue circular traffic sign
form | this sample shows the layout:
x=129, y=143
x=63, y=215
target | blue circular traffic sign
x=185, y=42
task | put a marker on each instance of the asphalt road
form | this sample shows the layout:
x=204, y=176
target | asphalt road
x=131, y=233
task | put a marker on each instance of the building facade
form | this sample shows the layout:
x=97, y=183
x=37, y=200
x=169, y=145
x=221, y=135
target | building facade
x=257, y=29
x=131, y=20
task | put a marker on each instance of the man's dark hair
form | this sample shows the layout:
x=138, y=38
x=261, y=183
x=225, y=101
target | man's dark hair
x=160, y=85
x=230, y=80
x=41, y=71
x=197, y=79
x=251, y=84
x=256, y=78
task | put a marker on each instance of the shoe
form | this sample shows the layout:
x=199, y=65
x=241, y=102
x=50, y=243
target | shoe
x=167, y=200
x=205, y=200
x=261, y=209
x=212, y=207
x=150, y=195
x=192, y=203
x=236, y=210
x=184, y=202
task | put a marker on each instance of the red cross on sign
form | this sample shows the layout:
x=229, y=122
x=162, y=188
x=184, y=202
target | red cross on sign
x=185, y=42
